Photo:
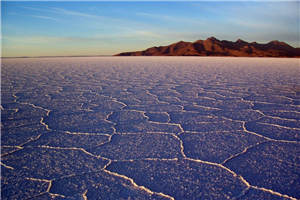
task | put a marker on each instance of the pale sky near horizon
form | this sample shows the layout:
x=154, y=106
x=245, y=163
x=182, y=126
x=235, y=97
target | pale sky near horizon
x=32, y=28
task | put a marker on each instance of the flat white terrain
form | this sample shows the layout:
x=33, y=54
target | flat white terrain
x=150, y=128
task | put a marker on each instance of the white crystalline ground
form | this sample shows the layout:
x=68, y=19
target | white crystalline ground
x=150, y=128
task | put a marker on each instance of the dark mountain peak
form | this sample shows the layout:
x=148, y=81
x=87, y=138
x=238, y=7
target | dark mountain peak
x=214, y=47
x=275, y=42
x=181, y=43
x=198, y=41
x=241, y=41
x=278, y=43
x=212, y=39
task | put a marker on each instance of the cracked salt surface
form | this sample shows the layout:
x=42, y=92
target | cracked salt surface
x=150, y=128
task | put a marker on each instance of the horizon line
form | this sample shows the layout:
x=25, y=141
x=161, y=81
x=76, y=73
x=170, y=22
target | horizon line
x=95, y=55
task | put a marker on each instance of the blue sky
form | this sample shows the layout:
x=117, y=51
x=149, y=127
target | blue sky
x=105, y=28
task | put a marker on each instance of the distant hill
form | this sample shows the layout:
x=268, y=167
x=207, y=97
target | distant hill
x=215, y=47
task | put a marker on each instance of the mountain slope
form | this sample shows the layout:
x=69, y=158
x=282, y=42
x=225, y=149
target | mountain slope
x=215, y=47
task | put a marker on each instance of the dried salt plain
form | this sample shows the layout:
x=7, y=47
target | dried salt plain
x=150, y=128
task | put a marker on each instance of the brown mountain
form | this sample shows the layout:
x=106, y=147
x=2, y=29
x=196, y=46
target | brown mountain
x=215, y=47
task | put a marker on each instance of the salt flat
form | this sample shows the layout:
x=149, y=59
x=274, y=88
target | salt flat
x=150, y=128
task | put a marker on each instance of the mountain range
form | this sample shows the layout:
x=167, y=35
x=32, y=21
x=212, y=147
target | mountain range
x=214, y=47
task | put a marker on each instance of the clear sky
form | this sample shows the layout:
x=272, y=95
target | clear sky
x=106, y=28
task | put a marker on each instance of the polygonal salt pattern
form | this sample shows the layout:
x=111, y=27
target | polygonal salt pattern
x=150, y=128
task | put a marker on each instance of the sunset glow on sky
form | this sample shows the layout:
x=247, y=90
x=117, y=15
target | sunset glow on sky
x=106, y=28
